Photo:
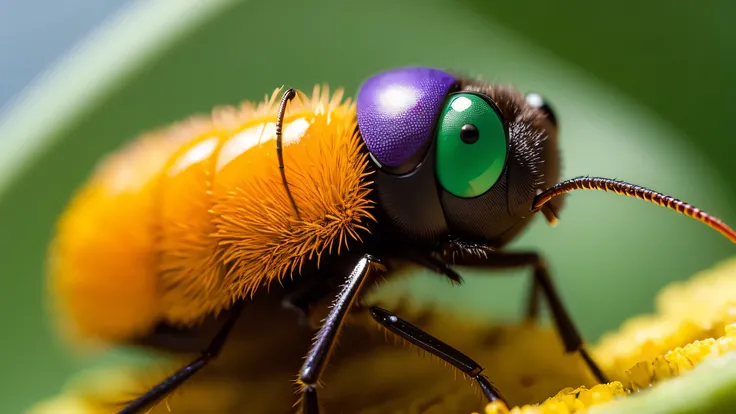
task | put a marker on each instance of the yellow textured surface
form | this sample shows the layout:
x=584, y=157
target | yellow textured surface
x=687, y=311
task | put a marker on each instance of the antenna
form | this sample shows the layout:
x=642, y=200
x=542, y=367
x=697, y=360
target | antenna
x=632, y=190
x=286, y=97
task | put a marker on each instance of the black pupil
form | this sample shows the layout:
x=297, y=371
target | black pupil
x=469, y=133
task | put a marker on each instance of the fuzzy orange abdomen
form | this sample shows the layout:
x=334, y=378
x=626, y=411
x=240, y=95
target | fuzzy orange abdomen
x=103, y=258
x=188, y=219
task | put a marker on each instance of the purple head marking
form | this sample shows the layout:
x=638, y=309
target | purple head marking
x=397, y=110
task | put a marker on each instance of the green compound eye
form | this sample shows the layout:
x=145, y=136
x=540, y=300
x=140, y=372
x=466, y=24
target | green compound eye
x=471, y=145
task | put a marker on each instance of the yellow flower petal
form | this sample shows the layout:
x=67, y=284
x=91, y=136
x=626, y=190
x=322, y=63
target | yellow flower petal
x=695, y=320
x=688, y=311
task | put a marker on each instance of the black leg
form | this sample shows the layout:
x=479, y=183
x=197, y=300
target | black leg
x=434, y=264
x=459, y=255
x=309, y=401
x=532, y=302
x=324, y=340
x=440, y=266
x=434, y=346
x=165, y=387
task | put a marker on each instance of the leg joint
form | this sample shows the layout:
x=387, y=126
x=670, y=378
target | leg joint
x=308, y=376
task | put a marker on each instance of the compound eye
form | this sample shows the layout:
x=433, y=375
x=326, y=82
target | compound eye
x=471, y=145
x=537, y=101
x=397, y=111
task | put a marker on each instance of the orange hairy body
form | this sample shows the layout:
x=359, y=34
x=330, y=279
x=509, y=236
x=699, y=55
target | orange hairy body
x=188, y=219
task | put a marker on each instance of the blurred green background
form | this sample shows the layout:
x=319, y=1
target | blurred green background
x=643, y=93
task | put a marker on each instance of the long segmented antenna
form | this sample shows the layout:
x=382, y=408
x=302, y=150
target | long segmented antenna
x=631, y=190
x=286, y=97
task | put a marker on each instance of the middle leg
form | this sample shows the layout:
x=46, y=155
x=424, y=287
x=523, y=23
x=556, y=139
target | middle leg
x=438, y=265
x=434, y=346
x=458, y=254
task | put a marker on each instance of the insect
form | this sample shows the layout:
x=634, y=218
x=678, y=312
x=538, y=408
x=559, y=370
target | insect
x=425, y=167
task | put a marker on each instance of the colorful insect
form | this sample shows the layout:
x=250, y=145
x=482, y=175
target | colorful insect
x=191, y=222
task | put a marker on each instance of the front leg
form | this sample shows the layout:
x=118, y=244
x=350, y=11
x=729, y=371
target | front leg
x=324, y=340
x=480, y=256
x=430, y=262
